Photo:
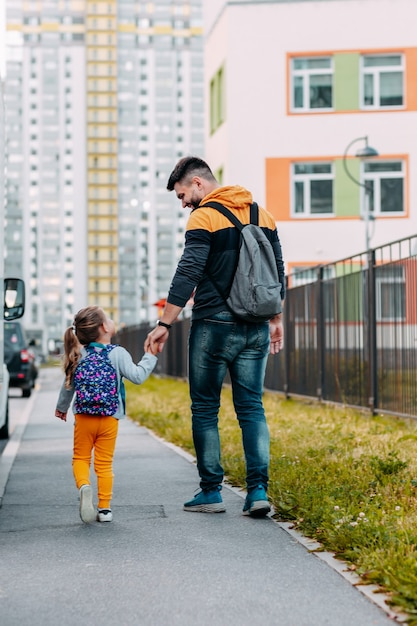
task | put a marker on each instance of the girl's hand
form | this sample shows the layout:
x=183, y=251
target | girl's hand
x=61, y=415
x=152, y=350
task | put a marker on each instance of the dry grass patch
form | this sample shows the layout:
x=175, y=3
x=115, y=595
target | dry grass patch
x=346, y=479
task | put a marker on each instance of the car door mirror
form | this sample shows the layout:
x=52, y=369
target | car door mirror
x=14, y=298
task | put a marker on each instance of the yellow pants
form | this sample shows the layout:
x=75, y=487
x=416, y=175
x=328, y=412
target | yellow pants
x=98, y=434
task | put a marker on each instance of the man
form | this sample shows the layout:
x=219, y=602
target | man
x=218, y=340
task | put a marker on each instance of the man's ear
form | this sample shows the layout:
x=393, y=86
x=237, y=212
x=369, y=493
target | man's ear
x=197, y=181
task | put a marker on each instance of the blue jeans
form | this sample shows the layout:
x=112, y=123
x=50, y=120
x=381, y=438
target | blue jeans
x=217, y=344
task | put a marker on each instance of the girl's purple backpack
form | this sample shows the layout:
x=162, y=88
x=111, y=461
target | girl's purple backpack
x=95, y=383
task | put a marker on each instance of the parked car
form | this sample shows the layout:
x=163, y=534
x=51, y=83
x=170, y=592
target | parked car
x=19, y=358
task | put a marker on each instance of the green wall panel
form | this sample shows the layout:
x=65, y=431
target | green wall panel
x=346, y=81
x=341, y=269
x=350, y=297
x=346, y=193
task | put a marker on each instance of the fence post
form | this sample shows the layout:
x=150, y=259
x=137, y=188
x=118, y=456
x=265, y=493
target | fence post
x=320, y=332
x=287, y=314
x=371, y=347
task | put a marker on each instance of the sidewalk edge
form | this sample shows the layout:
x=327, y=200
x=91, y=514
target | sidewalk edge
x=371, y=592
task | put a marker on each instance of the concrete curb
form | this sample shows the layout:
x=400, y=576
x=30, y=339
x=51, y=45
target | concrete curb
x=371, y=592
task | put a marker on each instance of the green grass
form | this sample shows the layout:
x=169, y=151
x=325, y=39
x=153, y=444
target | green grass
x=52, y=361
x=344, y=478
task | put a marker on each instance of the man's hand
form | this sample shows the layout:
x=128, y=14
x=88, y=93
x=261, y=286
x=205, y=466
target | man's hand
x=276, y=333
x=158, y=337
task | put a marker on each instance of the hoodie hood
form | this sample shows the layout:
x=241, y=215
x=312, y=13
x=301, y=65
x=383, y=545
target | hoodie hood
x=233, y=197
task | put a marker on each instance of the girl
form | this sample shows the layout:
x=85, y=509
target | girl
x=89, y=336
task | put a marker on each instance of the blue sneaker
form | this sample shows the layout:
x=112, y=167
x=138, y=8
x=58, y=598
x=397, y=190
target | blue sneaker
x=206, y=501
x=256, y=503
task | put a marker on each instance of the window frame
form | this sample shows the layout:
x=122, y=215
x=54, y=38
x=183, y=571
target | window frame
x=376, y=178
x=217, y=99
x=307, y=189
x=306, y=75
x=380, y=281
x=376, y=72
x=308, y=275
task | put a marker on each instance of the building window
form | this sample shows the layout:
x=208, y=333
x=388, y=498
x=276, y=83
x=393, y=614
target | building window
x=217, y=100
x=312, y=84
x=390, y=293
x=382, y=81
x=312, y=185
x=302, y=275
x=304, y=298
x=385, y=182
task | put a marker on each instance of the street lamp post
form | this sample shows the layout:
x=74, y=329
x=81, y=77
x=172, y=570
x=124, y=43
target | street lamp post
x=363, y=153
x=369, y=300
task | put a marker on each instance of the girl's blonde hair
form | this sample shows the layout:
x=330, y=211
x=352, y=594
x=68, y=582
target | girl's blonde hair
x=85, y=329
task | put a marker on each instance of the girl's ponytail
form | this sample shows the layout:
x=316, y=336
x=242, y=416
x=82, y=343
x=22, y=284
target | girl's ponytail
x=72, y=353
x=86, y=328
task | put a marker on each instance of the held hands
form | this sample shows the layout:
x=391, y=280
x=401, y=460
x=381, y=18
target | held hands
x=276, y=332
x=156, y=340
x=154, y=343
x=152, y=350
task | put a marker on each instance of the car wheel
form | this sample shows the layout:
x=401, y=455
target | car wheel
x=4, y=430
x=26, y=393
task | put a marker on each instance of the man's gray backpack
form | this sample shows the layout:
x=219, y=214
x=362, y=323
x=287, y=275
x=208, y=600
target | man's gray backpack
x=255, y=294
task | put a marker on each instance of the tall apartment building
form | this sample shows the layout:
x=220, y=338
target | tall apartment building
x=102, y=98
x=296, y=87
x=2, y=137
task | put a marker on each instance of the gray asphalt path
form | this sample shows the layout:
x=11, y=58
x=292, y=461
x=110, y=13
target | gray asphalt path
x=155, y=564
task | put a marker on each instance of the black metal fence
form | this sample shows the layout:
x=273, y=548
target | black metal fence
x=350, y=333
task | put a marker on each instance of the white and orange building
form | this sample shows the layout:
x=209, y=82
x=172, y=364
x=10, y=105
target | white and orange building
x=293, y=89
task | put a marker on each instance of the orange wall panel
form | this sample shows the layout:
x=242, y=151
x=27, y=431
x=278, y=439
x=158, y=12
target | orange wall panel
x=278, y=188
x=411, y=81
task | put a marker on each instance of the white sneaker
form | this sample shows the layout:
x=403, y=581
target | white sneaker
x=87, y=512
x=104, y=515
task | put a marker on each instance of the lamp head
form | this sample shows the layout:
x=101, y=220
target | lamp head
x=366, y=152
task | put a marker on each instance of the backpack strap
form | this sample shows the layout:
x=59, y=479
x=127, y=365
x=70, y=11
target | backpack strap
x=106, y=348
x=222, y=209
x=254, y=213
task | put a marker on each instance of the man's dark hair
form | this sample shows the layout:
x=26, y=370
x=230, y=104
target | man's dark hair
x=188, y=167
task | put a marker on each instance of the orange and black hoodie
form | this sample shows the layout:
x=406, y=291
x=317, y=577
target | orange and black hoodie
x=211, y=252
